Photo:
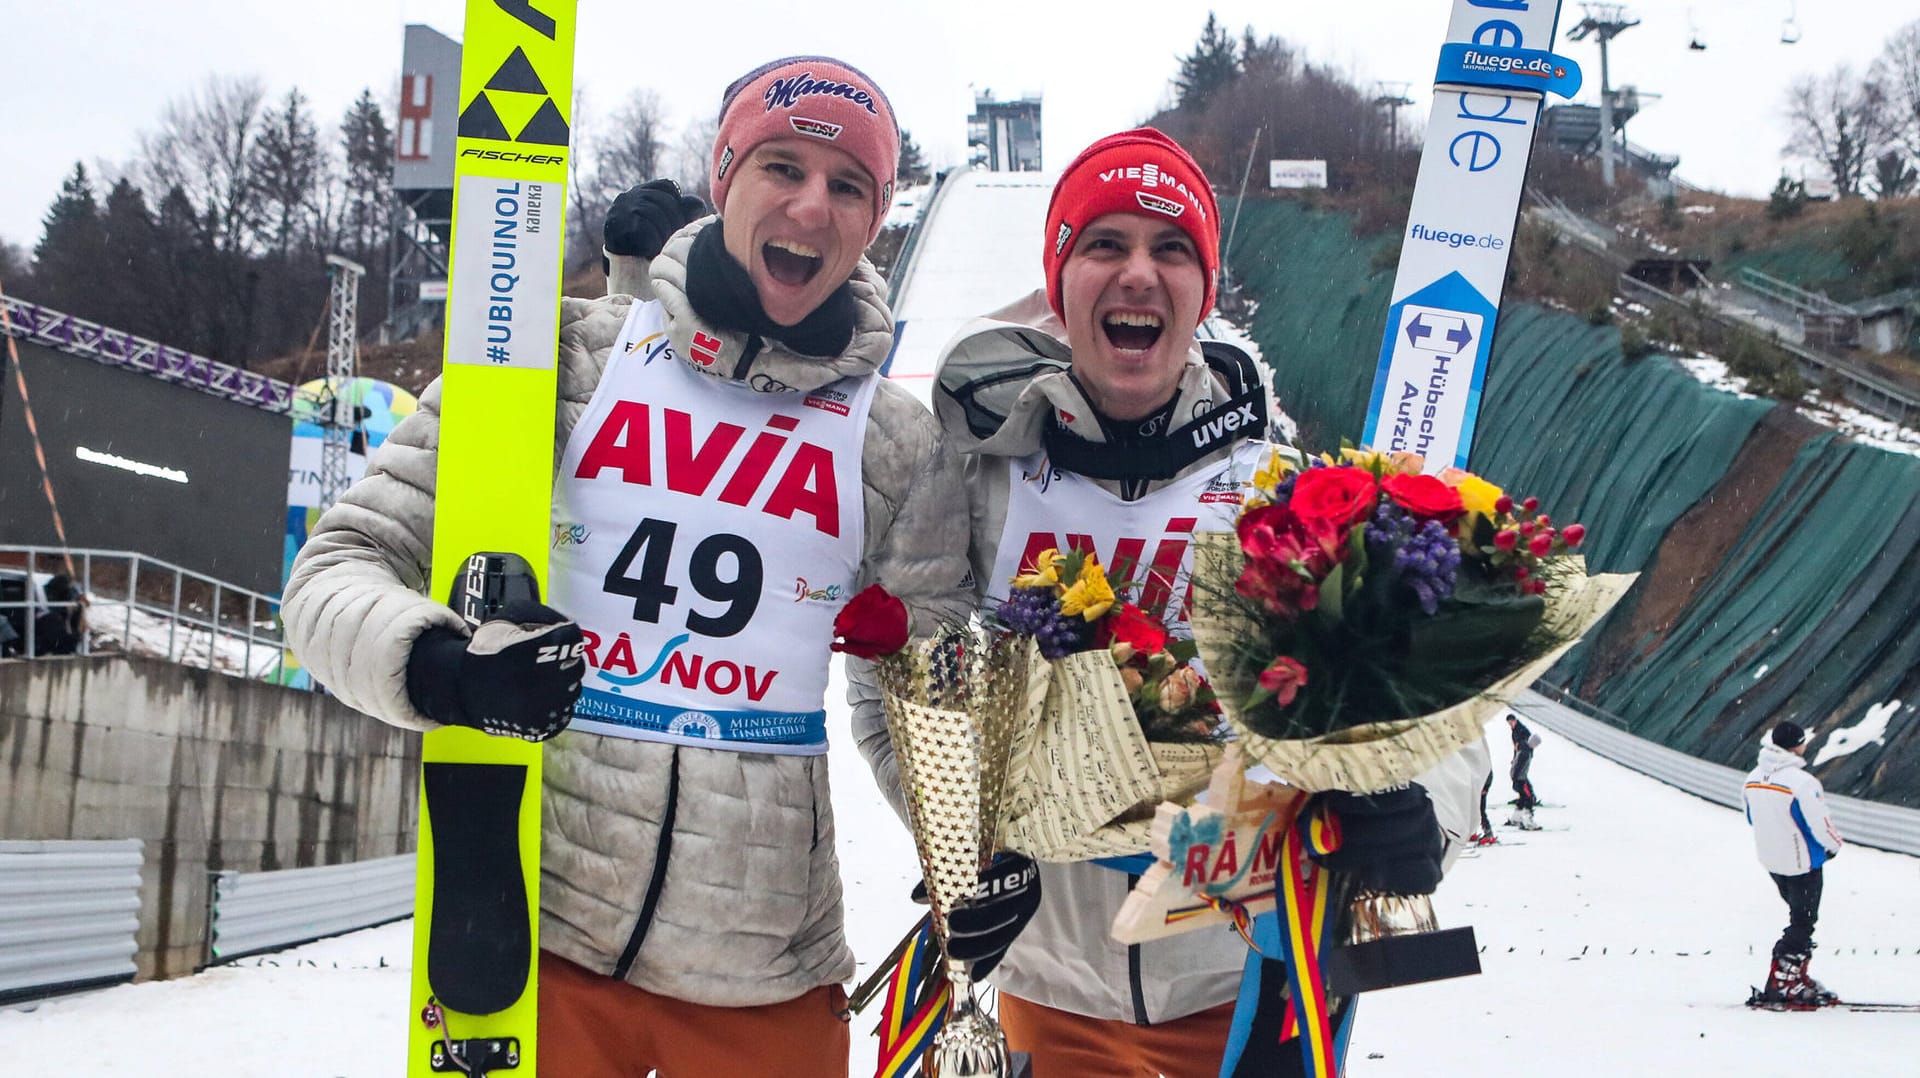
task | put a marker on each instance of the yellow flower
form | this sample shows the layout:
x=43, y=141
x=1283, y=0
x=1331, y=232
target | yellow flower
x=1090, y=596
x=1046, y=572
x=1379, y=463
x=1477, y=494
x=1274, y=471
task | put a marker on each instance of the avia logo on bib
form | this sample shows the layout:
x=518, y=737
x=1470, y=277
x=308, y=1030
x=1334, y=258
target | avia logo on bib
x=1127, y=559
x=705, y=463
x=673, y=665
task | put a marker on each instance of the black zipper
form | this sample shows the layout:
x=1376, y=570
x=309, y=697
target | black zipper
x=662, y=850
x=1133, y=973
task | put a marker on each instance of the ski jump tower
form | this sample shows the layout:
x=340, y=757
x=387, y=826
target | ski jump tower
x=422, y=183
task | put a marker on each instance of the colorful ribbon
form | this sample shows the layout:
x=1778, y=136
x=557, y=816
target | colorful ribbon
x=915, y=1007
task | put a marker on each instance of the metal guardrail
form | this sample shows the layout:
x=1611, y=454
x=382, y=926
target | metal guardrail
x=115, y=348
x=265, y=911
x=1868, y=391
x=1791, y=294
x=191, y=626
x=1867, y=823
x=69, y=915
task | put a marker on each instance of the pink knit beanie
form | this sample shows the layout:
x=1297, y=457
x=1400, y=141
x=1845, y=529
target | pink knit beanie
x=812, y=97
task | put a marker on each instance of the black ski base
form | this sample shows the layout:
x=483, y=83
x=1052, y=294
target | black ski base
x=476, y=1058
x=479, y=945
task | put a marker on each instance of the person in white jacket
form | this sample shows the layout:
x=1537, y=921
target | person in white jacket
x=1795, y=838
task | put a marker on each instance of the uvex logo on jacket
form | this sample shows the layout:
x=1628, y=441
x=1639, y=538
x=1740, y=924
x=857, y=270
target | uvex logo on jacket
x=699, y=461
x=1219, y=426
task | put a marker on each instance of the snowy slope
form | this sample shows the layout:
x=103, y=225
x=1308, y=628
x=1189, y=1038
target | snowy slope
x=979, y=251
x=1617, y=943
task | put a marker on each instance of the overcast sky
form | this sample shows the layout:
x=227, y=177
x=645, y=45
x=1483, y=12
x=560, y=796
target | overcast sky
x=84, y=77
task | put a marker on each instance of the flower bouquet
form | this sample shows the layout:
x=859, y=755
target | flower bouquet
x=1364, y=621
x=1129, y=719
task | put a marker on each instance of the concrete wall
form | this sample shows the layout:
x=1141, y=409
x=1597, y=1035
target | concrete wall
x=213, y=772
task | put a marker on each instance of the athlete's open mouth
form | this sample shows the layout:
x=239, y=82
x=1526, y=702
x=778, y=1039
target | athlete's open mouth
x=790, y=262
x=1131, y=331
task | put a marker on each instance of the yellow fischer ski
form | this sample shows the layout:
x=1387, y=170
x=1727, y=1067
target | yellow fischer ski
x=477, y=898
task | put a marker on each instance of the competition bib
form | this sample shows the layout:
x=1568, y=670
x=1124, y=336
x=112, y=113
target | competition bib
x=704, y=537
x=1145, y=544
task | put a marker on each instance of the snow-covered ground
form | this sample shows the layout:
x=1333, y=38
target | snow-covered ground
x=1619, y=941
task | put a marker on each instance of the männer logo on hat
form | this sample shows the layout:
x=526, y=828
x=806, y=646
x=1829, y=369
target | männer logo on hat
x=786, y=93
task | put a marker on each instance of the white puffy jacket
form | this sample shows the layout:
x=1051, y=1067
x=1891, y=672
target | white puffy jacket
x=1792, y=830
x=747, y=907
x=1066, y=957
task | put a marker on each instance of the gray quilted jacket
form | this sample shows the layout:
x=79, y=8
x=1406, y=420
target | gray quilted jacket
x=748, y=908
x=1066, y=957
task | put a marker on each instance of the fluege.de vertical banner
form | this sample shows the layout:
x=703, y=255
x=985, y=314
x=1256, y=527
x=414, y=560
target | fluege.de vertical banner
x=1494, y=71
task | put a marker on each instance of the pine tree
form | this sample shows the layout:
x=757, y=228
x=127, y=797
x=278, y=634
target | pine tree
x=1213, y=64
x=913, y=165
x=131, y=262
x=286, y=167
x=366, y=144
x=72, y=247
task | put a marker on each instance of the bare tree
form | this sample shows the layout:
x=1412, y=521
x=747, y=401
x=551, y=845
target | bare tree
x=205, y=147
x=1840, y=122
x=628, y=149
x=1897, y=70
x=693, y=158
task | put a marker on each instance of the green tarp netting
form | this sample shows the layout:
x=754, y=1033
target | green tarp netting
x=1810, y=612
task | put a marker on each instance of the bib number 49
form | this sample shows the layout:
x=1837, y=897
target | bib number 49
x=651, y=545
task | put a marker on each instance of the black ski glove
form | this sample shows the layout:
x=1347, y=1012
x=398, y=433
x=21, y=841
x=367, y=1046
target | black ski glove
x=1391, y=842
x=643, y=217
x=981, y=929
x=517, y=676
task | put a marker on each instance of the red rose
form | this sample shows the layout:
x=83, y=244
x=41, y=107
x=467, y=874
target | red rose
x=1573, y=534
x=1425, y=496
x=1283, y=679
x=1334, y=497
x=1128, y=624
x=872, y=624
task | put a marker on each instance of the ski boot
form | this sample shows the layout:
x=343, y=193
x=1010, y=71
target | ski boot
x=1523, y=819
x=1488, y=839
x=1787, y=986
x=1817, y=992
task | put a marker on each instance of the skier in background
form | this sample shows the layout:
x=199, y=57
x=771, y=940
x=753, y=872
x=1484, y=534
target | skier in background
x=1524, y=800
x=1100, y=376
x=691, y=917
x=1795, y=838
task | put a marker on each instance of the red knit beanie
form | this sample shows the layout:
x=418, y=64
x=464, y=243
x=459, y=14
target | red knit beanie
x=1140, y=171
x=815, y=97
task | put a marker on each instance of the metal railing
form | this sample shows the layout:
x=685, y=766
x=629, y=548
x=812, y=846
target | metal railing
x=265, y=911
x=1868, y=823
x=135, y=605
x=1792, y=295
x=69, y=916
x=1864, y=389
x=116, y=348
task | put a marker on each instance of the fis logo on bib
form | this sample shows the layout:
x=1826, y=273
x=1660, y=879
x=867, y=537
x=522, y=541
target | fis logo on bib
x=1044, y=474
